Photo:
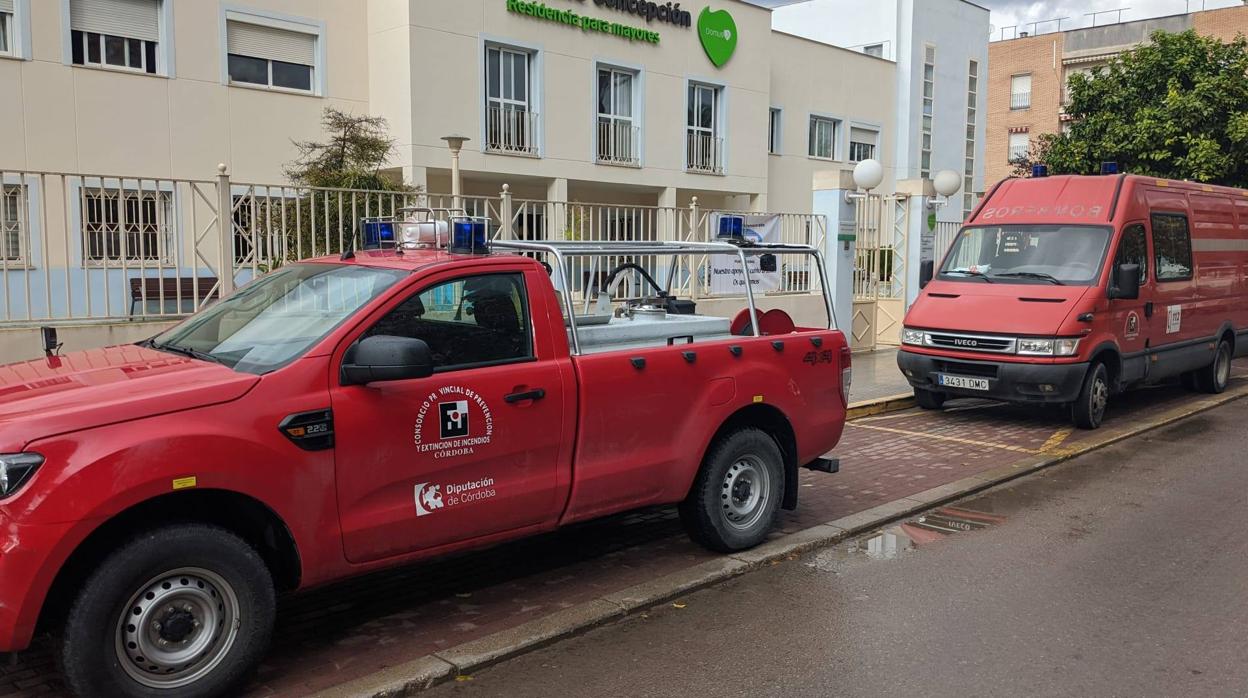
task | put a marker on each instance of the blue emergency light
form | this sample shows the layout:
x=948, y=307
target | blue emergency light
x=469, y=236
x=377, y=233
x=1109, y=168
x=731, y=227
x=1039, y=170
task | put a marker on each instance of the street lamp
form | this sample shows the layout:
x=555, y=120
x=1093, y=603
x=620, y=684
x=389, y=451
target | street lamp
x=947, y=183
x=868, y=175
x=456, y=144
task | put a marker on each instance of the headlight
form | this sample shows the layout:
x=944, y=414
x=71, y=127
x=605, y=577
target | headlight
x=1048, y=347
x=909, y=336
x=16, y=469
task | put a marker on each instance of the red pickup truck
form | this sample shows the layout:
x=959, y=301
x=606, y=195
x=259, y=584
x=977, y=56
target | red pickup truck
x=342, y=415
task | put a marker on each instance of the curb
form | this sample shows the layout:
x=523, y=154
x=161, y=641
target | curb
x=415, y=676
x=867, y=408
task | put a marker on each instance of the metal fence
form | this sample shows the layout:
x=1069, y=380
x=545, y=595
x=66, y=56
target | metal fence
x=91, y=248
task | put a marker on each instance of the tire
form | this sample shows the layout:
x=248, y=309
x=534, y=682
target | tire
x=174, y=581
x=736, y=496
x=1215, y=377
x=929, y=400
x=1089, y=408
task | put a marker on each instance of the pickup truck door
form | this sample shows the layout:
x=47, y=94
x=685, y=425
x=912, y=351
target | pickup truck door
x=475, y=449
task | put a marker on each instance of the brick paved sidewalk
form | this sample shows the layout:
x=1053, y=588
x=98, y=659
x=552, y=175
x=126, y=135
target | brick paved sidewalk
x=339, y=633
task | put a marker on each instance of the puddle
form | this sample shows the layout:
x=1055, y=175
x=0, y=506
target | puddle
x=895, y=541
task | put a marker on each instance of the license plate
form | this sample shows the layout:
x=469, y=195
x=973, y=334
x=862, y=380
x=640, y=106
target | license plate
x=962, y=382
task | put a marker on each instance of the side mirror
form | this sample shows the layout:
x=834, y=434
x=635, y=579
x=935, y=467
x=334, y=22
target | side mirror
x=927, y=269
x=386, y=358
x=1126, y=282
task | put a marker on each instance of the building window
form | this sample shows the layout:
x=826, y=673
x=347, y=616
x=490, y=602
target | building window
x=773, y=131
x=6, y=28
x=510, y=120
x=972, y=116
x=619, y=136
x=876, y=50
x=1019, y=143
x=118, y=34
x=125, y=225
x=1020, y=92
x=1172, y=247
x=862, y=142
x=13, y=223
x=704, y=148
x=824, y=133
x=929, y=95
x=269, y=56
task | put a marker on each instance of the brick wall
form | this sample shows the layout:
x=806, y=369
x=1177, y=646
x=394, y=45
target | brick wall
x=1223, y=24
x=1035, y=55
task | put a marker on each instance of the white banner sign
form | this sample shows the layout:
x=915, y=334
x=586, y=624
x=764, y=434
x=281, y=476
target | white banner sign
x=727, y=277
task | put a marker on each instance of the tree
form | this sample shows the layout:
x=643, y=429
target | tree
x=1176, y=107
x=357, y=148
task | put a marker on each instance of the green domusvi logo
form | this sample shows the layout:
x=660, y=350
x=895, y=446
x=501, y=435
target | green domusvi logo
x=718, y=33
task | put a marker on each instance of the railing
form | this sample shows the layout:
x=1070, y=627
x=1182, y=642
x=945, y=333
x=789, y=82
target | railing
x=511, y=130
x=1020, y=100
x=1018, y=153
x=946, y=232
x=79, y=248
x=619, y=143
x=704, y=153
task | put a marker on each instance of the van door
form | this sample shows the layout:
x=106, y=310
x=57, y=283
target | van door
x=1176, y=345
x=1131, y=319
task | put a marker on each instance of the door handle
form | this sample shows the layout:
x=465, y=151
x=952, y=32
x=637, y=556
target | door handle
x=1148, y=309
x=535, y=394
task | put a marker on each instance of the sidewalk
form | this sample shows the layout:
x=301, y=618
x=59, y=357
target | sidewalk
x=876, y=376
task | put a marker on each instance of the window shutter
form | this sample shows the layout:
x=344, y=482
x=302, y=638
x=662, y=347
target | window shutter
x=1020, y=84
x=862, y=135
x=6, y=6
x=133, y=19
x=270, y=43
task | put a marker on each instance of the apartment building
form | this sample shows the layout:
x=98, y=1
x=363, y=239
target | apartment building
x=1027, y=76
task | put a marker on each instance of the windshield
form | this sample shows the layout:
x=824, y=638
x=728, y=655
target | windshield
x=276, y=318
x=1053, y=254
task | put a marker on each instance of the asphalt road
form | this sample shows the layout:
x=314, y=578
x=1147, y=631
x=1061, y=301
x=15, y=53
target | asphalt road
x=1120, y=573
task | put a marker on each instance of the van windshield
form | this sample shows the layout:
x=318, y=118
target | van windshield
x=1028, y=254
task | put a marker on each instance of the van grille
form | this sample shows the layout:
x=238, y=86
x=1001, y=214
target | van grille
x=969, y=342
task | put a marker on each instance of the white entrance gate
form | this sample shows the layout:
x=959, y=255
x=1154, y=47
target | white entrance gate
x=881, y=224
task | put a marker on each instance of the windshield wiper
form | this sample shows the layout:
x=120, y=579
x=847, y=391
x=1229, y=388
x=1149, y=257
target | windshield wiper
x=1032, y=275
x=968, y=272
x=184, y=351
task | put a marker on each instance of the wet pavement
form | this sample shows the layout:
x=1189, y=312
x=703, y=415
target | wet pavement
x=346, y=631
x=1118, y=573
x=876, y=376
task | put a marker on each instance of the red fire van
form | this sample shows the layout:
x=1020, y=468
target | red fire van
x=1070, y=289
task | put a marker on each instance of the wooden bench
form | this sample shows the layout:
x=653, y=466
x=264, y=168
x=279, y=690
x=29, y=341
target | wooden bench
x=178, y=290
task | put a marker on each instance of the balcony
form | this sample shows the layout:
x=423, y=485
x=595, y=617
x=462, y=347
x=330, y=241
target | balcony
x=619, y=143
x=704, y=153
x=1020, y=100
x=511, y=130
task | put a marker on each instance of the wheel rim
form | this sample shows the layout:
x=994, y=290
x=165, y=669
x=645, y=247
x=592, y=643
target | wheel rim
x=1224, y=366
x=177, y=628
x=745, y=493
x=1099, y=397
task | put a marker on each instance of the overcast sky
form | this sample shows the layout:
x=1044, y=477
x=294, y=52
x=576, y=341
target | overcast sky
x=1006, y=13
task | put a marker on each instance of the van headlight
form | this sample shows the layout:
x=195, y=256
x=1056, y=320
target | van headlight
x=16, y=469
x=916, y=337
x=1048, y=347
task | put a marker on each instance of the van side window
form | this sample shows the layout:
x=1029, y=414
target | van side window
x=1172, y=246
x=1133, y=249
x=471, y=321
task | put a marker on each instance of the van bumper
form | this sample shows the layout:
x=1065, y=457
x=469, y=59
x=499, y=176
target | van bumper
x=1007, y=381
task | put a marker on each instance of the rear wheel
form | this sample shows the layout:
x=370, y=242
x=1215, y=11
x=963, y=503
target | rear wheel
x=929, y=400
x=1089, y=408
x=736, y=497
x=1215, y=377
x=184, y=611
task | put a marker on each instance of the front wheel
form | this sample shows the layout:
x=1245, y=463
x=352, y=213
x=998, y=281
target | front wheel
x=1089, y=408
x=736, y=496
x=184, y=611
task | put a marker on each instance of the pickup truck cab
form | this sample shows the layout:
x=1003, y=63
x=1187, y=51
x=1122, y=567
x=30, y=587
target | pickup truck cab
x=1070, y=289
x=345, y=414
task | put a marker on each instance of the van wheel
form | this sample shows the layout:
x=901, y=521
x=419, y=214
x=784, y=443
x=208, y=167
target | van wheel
x=736, y=496
x=183, y=612
x=1089, y=408
x=1215, y=377
x=929, y=400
